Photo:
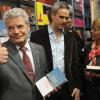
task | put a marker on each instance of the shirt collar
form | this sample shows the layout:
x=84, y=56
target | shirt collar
x=26, y=45
x=50, y=30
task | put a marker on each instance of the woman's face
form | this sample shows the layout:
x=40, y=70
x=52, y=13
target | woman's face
x=95, y=31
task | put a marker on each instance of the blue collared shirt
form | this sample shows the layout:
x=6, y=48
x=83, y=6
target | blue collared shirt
x=57, y=46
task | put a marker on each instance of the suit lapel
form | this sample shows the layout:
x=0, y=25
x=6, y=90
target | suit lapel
x=48, y=50
x=14, y=55
x=67, y=42
x=68, y=48
x=35, y=58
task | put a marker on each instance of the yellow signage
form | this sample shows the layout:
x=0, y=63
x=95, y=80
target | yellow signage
x=45, y=19
x=39, y=8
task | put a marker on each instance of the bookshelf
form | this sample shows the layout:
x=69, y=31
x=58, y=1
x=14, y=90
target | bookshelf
x=30, y=7
x=87, y=14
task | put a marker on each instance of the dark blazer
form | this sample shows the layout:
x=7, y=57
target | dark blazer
x=70, y=55
x=15, y=82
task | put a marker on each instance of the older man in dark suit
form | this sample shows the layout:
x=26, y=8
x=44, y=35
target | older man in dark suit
x=17, y=81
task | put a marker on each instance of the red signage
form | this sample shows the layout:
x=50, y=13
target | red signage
x=4, y=8
x=78, y=22
x=49, y=2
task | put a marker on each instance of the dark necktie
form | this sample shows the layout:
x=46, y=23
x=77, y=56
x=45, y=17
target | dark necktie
x=27, y=63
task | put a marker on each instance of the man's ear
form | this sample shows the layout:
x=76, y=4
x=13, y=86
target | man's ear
x=52, y=16
x=29, y=27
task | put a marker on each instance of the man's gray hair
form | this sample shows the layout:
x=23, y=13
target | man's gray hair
x=16, y=12
x=59, y=5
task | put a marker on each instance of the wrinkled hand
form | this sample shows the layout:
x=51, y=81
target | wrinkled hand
x=3, y=54
x=76, y=94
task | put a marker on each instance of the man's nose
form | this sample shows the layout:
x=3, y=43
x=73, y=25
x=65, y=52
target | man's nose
x=64, y=20
x=16, y=30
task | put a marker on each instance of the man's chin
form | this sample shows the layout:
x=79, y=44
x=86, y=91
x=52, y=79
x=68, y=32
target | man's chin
x=61, y=28
x=19, y=43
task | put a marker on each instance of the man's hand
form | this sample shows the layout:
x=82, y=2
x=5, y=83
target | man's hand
x=3, y=54
x=76, y=94
x=54, y=91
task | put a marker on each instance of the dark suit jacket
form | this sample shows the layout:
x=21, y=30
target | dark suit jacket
x=70, y=55
x=15, y=83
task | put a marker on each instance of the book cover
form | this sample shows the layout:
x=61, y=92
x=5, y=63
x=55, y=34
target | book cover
x=95, y=69
x=44, y=86
x=56, y=77
x=52, y=80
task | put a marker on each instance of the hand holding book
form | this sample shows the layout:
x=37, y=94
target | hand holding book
x=92, y=72
x=93, y=67
x=51, y=82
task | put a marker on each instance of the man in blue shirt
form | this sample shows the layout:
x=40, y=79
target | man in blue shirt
x=61, y=51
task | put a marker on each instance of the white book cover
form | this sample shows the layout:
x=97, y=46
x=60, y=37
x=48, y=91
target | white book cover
x=93, y=67
x=44, y=86
x=50, y=81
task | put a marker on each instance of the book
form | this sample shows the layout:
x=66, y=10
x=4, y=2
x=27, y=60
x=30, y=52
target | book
x=95, y=69
x=50, y=81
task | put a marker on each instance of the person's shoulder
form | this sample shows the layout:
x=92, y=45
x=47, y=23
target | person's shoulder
x=7, y=44
x=69, y=34
x=39, y=31
x=35, y=45
x=37, y=49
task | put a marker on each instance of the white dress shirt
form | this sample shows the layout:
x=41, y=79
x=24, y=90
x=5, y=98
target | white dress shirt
x=29, y=53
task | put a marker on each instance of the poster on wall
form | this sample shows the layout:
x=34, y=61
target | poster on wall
x=77, y=4
x=41, y=17
x=78, y=13
x=93, y=9
x=78, y=22
x=3, y=31
x=49, y=2
x=39, y=13
x=3, y=8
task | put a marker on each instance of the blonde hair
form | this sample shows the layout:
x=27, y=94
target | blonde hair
x=96, y=23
